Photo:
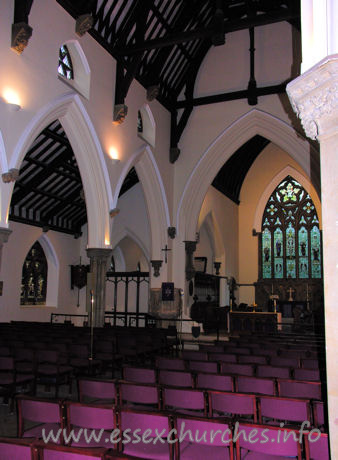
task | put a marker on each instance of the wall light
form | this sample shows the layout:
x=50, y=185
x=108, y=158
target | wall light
x=113, y=153
x=12, y=100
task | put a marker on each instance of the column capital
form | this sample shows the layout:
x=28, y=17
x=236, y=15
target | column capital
x=314, y=97
x=4, y=235
x=99, y=253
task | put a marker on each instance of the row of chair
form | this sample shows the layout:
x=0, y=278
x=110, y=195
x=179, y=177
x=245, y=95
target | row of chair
x=227, y=381
x=196, y=436
x=289, y=359
x=241, y=368
x=160, y=397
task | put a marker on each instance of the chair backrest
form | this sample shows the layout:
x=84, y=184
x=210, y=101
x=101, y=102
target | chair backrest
x=7, y=363
x=318, y=413
x=214, y=382
x=92, y=416
x=262, y=439
x=47, y=356
x=139, y=375
x=16, y=449
x=237, y=350
x=179, y=398
x=153, y=423
x=317, y=446
x=203, y=366
x=58, y=452
x=299, y=389
x=284, y=409
x=307, y=374
x=252, y=359
x=175, y=378
x=203, y=432
x=176, y=364
x=97, y=389
x=195, y=355
x=257, y=385
x=225, y=357
x=273, y=371
x=310, y=363
x=232, y=403
x=38, y=410
x=287, y=362
x=237, y=369
x=136, y=393
x=212, y=348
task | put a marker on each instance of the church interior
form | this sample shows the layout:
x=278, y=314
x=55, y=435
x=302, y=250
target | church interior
x=168, y=227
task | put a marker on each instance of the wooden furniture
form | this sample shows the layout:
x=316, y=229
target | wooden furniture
x=249, y=322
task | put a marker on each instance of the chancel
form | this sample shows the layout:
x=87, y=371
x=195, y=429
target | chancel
x=186, y=154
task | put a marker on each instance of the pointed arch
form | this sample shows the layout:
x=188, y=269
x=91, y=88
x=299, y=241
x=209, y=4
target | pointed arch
x=148, y=133
x=53, y=270
x=252, y=123
x=287, y=171
x=126, y=232
x=3, y=156
x=89, y=156
x=156, y=201
x=81, y=69
x=213, y=229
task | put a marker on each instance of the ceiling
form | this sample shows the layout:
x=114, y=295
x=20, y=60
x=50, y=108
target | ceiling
x=160, y=43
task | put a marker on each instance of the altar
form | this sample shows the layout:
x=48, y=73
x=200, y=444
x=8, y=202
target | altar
x=255, y=321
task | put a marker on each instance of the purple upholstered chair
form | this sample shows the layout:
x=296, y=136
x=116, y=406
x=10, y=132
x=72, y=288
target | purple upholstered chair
x=258, y=442
x=97, y=390
x=232, y=404
x=252, y=359
x=225, y=357
x=92, y=417
x=257, y=385
x=56, y=452
x=175, y=378
x=17, y=449
x=214, y=382
x=46, y=414
x=49, y=370
x=139, y=374
x=176, y=364
x=145, y=421
x=307, y=374
x=310, y=363
x=184, y=401
x=286, y=362
x=237, y=350
x=299, y=389
x=135, y=394
x=273, y=371
x=287, y=410
x=318, y=449
x=213, y=348
x=237, y=369
x=318, y=414
x=202, y=439
x=203, y=366
x=195, y=355
x=10, y=380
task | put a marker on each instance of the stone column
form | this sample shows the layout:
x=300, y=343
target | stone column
x=4, y=235
x=314, y=97
x=97, y=282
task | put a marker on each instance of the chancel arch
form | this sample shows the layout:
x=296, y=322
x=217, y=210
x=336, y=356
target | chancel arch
x=231, y=139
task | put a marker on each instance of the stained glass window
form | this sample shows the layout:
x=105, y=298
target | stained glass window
x=65, y=68
x=291, y=239
x=34, y=277
x=139, y=123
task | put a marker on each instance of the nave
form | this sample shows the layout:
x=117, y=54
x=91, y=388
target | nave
x=268, y=387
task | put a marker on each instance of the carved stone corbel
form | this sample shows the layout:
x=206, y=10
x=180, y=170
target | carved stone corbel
x=120, y=113
x=172, y=232
x=21, y=33
x=10, y=176
x=156, y=264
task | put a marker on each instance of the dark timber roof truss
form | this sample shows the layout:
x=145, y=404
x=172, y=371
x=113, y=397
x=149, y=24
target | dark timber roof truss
x=48, y=192
x=162, y=43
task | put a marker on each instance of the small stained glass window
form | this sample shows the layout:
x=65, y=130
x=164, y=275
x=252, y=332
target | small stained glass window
x=139, y=123
x=34, y=277
x=291, y=239
x=65, y=68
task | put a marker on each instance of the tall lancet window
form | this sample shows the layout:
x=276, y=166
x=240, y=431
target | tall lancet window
x=65, y=68
x=291, y=240
x=34, y=277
